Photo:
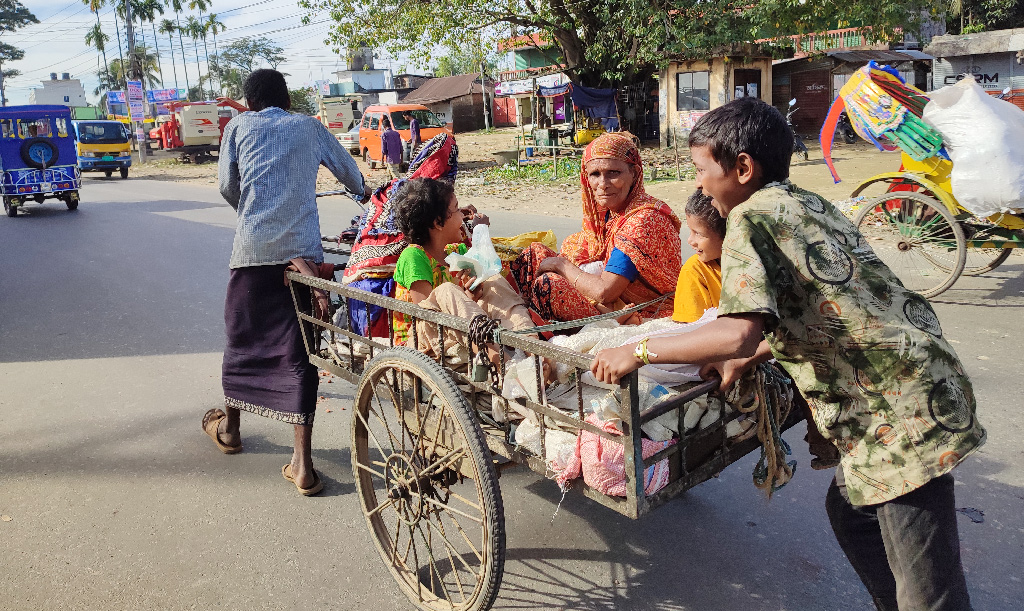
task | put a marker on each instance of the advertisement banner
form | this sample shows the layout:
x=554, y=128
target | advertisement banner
x=162, y=95
x=135, y=97
x=520, y=87
x=115, y=97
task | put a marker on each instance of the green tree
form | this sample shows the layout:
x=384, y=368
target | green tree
x=13, y=16
x=967, y=16
x=466, y=58
x=614, y=41
x=114, y=77
x=167, y=27
x=194, y=29
x=212, y=26
x=302, y=100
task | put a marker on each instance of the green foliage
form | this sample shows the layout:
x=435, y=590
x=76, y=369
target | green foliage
x=114, y=79
x=14, y=15
x=613, y=41
x=970, y=16
x=466, y=58
x=246, y=54
x=302, y=100
x=539, y=171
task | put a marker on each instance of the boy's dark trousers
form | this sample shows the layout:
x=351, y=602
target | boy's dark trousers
x=906, y=551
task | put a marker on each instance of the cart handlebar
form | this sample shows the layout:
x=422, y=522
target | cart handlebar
x=356, y=197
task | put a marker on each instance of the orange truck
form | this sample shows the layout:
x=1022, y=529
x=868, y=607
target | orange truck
x=370, y=129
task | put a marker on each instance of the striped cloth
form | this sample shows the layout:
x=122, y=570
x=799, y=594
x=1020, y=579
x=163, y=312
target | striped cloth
x=268, y=167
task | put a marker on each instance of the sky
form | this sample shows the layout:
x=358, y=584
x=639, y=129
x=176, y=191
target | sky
x=57, y=43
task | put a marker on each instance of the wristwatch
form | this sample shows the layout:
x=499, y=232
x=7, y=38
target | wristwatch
x=641, y=352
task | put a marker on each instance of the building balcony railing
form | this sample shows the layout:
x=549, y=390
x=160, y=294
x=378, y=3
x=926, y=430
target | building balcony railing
x=845, y=38
x=527, y=73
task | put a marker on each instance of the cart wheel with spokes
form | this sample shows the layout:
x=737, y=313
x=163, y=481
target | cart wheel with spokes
x=427, y=484
x=983, y=260
x=917, y=237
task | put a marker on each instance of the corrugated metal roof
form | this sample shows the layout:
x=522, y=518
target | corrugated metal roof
x=980, y=43
x=443, y=89
x=862, y=57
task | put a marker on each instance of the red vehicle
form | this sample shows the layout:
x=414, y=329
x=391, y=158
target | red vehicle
x=195, y=128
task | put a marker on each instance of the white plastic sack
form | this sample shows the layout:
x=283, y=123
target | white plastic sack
x=481, y=260
x=985, y=140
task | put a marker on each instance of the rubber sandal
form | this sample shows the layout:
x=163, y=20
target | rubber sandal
x=317, y=486
x=211, y=426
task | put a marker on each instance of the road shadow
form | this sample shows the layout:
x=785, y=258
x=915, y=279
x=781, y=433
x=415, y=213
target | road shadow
x=721, y=546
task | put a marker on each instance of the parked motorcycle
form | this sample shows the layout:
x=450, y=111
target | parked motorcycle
x=798, y=142
x=845, y=128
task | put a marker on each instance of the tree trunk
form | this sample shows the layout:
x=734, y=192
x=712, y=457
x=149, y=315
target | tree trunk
x=199, y=68
x=106, y=67
x=159, y=60
x=170, y=41
x=184, y=65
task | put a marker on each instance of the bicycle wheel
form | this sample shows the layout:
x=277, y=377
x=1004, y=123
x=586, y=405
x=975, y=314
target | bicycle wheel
x=983, y=260
x=917, y=237
x=427, y=484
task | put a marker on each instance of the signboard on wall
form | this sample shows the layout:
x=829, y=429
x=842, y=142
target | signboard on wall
x=525, y=85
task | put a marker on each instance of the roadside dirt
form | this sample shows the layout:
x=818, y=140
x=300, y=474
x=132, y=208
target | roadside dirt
x=854, y=163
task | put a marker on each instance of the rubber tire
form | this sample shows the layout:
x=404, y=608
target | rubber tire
x=984, y=269
x=72, y=204
x=849, y=138
x=124, y=173
x=958, y=236
x=25, y=146
x=12, y=211
x=108, y=173
x=467, y=420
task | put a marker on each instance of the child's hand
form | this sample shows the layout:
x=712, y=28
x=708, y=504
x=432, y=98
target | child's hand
x=464, y=279
x=729, y=371
x=612, y=364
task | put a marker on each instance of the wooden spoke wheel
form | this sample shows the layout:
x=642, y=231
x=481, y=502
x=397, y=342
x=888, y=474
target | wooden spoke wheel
x=427, y=484
x=917, y=237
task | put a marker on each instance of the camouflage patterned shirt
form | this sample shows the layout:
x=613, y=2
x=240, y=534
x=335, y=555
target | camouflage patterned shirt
x=869, y=356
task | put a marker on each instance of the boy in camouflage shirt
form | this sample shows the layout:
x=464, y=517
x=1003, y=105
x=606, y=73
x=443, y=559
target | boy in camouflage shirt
x=800, y=284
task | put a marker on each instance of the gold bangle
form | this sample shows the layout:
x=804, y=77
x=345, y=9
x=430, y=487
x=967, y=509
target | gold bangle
x=577, y=279
x=641, y=352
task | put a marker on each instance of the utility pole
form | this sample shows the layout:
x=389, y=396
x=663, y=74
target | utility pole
x=137, y=72
x=483, y=94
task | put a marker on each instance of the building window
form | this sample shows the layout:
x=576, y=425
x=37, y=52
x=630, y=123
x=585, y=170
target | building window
x=693, y=91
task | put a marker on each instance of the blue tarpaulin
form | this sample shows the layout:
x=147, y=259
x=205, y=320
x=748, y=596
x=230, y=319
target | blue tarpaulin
x=597, y=104
x=550, y=92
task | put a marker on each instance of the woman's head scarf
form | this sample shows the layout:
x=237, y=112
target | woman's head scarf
x=601, y=227
x=379, y=242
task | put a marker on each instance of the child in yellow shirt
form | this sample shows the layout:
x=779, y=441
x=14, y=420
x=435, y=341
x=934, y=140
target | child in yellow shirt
x=700, y=280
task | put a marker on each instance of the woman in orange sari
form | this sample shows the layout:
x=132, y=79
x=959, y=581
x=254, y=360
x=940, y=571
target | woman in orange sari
x=629, y=251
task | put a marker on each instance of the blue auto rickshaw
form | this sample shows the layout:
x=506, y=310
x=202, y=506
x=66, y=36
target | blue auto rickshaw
x=37, y=156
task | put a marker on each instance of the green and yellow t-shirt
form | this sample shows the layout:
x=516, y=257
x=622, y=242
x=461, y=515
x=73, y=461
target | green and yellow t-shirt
x=414, y=264
x=869, y=355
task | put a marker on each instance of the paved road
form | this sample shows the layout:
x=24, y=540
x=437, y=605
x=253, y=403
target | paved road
x=110, y=340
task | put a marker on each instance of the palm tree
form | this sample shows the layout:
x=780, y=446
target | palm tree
x=213, y=26
x=96, y=38
x=178, y=6
x=198, y=32
x=194, y=29
x=167, y=27
x=146, y=10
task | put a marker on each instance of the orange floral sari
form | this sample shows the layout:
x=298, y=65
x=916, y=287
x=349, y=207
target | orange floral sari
x=646, y=231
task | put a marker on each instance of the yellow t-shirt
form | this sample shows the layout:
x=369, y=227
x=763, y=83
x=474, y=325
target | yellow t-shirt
x=699, y=287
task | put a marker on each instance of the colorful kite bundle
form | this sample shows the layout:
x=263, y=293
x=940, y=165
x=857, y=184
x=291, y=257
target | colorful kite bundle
x=885, y=111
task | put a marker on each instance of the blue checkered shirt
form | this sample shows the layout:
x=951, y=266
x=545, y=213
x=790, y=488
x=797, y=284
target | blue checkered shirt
x=268, y=168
